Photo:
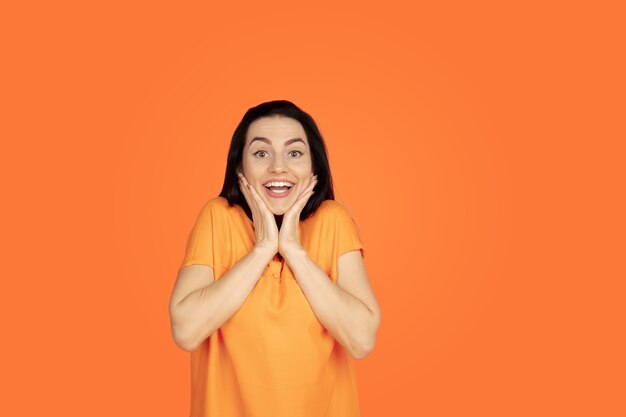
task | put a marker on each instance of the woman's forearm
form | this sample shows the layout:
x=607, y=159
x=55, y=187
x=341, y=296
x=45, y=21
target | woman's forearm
x=346, y=317
x=204, y=310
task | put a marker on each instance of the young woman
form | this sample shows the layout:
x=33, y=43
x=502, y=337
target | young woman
x=272, y=298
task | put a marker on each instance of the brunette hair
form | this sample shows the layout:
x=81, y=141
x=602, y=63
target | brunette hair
x=319, y=158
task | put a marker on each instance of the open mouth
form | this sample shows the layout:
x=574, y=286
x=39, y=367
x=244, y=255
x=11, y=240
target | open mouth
x=278, y=190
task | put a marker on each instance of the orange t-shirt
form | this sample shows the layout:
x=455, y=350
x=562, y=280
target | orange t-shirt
x=272, y=357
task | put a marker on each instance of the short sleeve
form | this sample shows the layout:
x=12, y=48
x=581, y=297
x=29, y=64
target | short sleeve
x=347, y=234
x=199, y=248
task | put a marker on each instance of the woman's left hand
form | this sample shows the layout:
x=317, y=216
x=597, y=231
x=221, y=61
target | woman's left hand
x=289, y=236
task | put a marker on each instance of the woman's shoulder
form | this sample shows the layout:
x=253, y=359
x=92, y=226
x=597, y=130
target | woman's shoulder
x=219, y=205
x=213, y=204
x=218, y=202
x=332, y=208
x=333, y=205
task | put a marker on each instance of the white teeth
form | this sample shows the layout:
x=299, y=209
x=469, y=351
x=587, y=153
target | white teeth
x=279, y=184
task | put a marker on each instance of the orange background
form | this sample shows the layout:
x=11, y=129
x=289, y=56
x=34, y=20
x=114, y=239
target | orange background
x=478, y=145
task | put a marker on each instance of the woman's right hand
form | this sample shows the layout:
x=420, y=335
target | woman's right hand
x=265, y=227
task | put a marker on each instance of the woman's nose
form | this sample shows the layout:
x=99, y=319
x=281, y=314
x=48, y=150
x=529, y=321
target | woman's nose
x=277, y=164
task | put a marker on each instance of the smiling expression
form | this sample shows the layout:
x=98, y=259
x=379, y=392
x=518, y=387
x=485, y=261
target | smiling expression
x=277, y=148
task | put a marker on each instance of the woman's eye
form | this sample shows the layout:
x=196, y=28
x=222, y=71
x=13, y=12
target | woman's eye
x=264, y=154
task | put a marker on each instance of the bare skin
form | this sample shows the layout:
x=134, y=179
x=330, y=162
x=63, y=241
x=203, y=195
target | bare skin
x=199, y=305
x=348, y=319
x=265, y=227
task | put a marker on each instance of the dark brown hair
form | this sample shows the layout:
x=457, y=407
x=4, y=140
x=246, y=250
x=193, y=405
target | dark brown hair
x=319, y=158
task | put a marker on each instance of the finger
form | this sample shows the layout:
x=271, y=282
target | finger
x=257, y=197
x=307, y=192
x=249, y=199
x=259, y=203
x=310, y=186
x=260, y=217
x=244, y=190
x=299, y=204
x=313, y=182
x=249, y=188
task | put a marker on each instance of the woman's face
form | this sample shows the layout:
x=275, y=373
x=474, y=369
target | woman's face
x=277, y=149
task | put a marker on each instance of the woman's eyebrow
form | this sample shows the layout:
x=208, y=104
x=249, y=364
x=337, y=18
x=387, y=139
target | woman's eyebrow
x=262, y=139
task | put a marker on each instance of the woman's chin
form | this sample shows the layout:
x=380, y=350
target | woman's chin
x=278, y=212
x=277, y=208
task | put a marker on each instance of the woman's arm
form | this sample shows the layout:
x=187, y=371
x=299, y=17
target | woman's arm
x=198, y=306
x=351, y=314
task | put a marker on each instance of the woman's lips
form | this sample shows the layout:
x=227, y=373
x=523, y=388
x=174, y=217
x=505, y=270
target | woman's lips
x=279, y=194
